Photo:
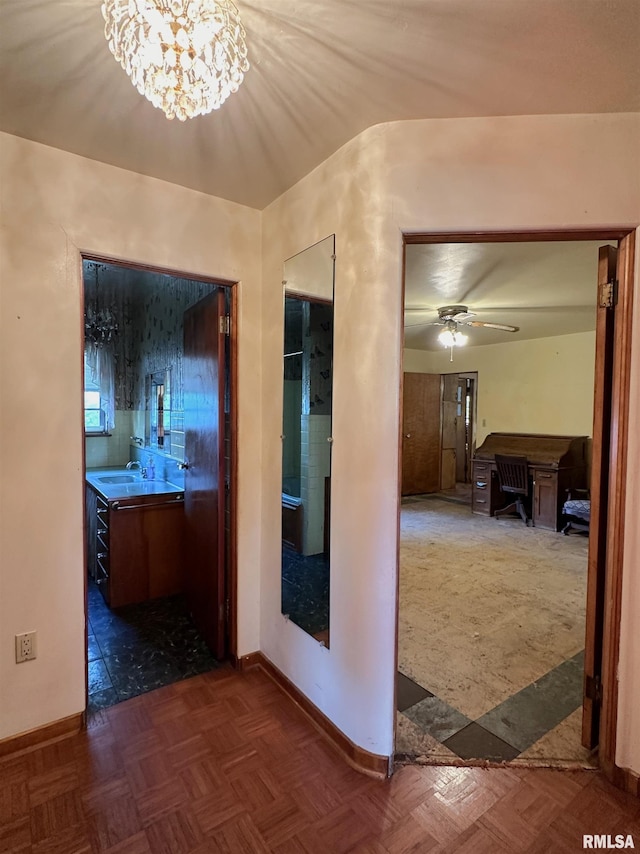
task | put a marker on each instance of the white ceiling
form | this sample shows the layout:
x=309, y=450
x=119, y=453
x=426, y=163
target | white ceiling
x=321, y=72
x=544, y=288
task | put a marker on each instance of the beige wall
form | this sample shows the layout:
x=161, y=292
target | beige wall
x=424, y=176
x=475, y=174
x=55, y=205
x=543, y=385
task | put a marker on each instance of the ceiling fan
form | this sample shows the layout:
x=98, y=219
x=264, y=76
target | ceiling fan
x=453, y=316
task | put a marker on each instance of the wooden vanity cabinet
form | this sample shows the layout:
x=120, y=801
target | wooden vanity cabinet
x=139, y=548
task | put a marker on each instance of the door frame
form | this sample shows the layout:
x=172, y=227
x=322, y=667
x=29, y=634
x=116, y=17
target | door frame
x=231, y=564
x=625, y=236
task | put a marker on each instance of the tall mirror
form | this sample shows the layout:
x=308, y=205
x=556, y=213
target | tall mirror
x=306, y=437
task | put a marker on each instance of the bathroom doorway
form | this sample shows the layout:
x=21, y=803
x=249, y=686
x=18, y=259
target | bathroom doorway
x=159, y=461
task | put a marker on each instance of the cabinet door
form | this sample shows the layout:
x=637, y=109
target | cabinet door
x=128, y=557
x=545, y=499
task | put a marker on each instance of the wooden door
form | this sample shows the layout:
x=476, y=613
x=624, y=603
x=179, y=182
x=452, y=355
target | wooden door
x=420, y=433
x=449, y=430
x=463, y=470
x=203, y=377
x=607, y=264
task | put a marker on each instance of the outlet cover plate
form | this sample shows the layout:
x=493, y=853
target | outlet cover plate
x=25, y=647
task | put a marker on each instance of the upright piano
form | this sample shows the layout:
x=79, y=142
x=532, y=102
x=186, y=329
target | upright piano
x=556, y=465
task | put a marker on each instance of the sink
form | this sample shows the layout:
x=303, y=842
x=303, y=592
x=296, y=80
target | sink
x=119, y=478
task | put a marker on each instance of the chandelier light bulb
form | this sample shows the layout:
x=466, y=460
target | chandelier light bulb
x=185, y=56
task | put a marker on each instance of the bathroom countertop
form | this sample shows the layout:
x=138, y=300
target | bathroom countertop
x=134, y=485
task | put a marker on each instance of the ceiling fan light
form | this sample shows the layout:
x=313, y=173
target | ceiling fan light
x=447, y=338
x=452, y=338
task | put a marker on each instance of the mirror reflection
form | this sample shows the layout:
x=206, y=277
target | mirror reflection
x=306, y=437
x=158, y=410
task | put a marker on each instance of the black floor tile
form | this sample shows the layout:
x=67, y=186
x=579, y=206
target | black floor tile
x=535, y=710
x=135, y=649
x=475, y=742
x=137, y=673
x=99, y=678
x=305, y=590
x=408, y=692
x=102, y=700
x=437, y=718
x=93, y=649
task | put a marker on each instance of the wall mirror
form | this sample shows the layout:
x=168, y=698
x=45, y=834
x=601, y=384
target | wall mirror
x=306, y=437
x=158, y=410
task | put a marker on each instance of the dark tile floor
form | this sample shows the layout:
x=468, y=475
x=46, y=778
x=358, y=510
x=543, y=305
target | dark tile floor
x=305, y=590
x=507, y=730
x=135, y=649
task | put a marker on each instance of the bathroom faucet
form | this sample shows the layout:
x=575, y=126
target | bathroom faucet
x=132, y=463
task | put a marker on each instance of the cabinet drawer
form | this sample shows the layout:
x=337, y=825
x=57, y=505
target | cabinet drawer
x=102, y=514
x=481, y=495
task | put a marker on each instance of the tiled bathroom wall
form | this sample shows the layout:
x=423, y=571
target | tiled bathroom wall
x=315, y=467
x=113, y=450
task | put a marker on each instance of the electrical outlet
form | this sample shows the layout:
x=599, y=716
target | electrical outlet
x=25, y=647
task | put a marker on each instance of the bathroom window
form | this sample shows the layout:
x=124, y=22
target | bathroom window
x=99, y=391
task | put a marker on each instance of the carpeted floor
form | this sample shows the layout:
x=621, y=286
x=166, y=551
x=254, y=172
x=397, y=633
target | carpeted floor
x=492, y=627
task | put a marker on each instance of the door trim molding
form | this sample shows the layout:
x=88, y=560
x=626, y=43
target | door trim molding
x=232, y=290
x=617, y=505
x=625, y=234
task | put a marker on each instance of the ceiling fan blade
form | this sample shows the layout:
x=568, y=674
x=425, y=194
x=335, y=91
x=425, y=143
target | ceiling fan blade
x=426, y=323
x=501, y=326
x=552, y=309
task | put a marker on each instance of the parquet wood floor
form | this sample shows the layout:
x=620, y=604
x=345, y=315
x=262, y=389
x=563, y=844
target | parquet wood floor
x=225, y=762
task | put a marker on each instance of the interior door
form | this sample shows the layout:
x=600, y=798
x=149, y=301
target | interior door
x=449, y=430
x=420, y=433
x=204, y=376
x=462, y=470
x=607, y=265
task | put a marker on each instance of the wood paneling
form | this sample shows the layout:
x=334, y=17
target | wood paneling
x=421, y=434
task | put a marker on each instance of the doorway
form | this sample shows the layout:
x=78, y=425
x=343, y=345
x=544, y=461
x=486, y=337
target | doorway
x=159, y=465
x=603, y=559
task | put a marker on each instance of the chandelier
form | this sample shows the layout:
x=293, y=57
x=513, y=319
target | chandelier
x=100, y=325
x=185, y=56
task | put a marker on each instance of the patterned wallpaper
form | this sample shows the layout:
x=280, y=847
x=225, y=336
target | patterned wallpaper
x=148, y=308
x=309, y=327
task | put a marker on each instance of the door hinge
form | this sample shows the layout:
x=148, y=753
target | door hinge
x=593, y=688
x=227, y=609
x=608, y=294
x=225, y=324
